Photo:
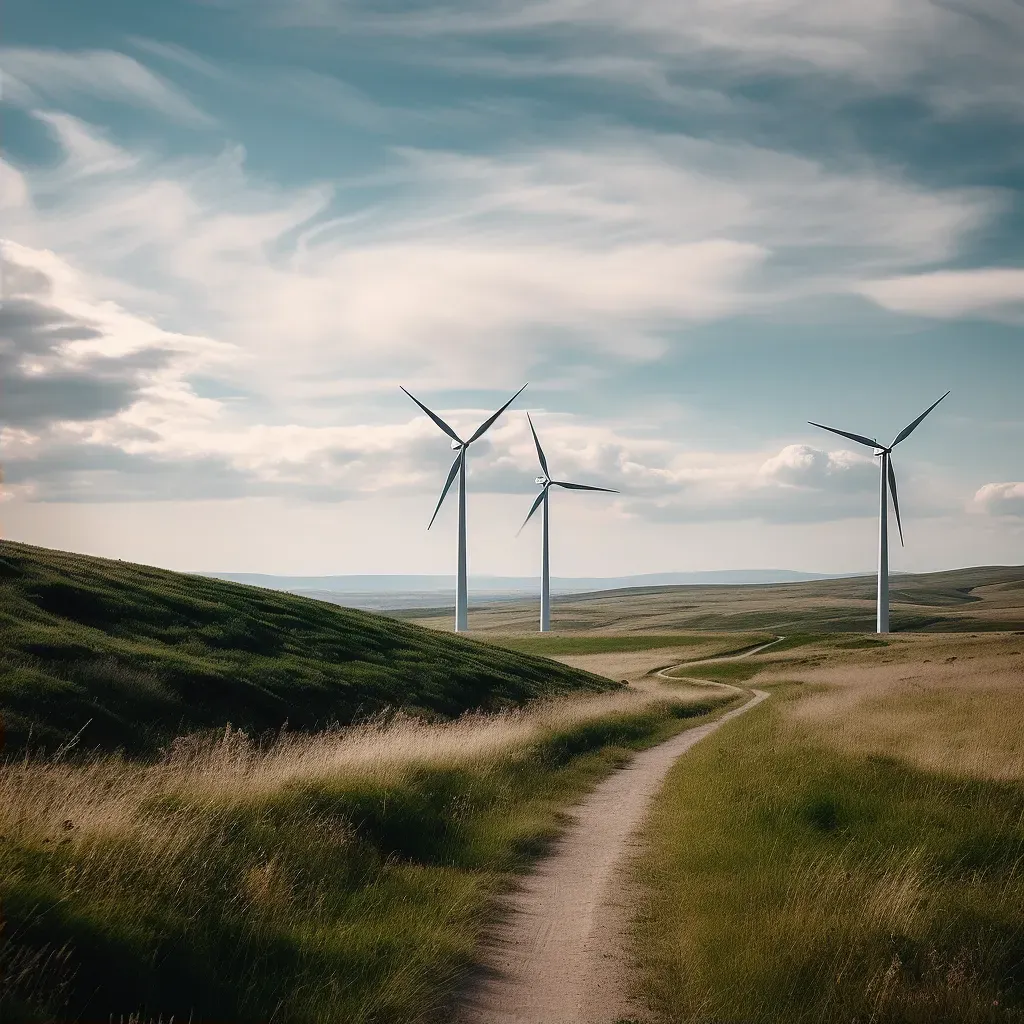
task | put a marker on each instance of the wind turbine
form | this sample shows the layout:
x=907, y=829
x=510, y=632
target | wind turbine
x=543, y=499
x=459, y=470
x=887, y=482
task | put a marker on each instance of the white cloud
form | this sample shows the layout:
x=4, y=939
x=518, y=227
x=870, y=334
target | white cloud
x=800, y=465
x=61, y=76
x=1001, y=499
x=478, y=268
x=160, y=429
x=995, y=293
x=956, y=56
x=471, y=271
x=86, y=149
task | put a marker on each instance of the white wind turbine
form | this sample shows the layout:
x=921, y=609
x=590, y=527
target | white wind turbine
x=459, y=469
x=887, y=483
x=543, y=499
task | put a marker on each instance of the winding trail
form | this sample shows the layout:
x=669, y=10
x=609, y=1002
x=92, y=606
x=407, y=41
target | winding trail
x=557, y=954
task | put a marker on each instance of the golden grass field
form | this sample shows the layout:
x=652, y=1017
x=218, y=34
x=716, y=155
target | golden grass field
x=339, y=876
x=856, y=845
x=108, y=796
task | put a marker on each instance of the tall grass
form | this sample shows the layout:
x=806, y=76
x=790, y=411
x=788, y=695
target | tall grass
x=791, y=880
x=337, y=877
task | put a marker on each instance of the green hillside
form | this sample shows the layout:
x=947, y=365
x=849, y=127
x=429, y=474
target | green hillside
x=130, y=656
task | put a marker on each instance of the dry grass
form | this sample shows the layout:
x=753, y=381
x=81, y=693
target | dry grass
x=945, y=703
x=44, y=800
x=857, y=846
x=337, y=877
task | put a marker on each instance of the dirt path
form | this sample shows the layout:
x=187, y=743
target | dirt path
x=557, y=956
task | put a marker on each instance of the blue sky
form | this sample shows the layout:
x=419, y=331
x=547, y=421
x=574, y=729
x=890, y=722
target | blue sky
x=232, y=229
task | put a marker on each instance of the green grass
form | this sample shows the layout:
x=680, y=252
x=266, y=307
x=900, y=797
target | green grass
x=353, y=900
x=788, y=882
x=554, y=646
x=128, y=656
x=724, y=672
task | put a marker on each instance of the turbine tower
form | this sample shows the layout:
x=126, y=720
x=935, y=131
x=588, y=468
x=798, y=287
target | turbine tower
x=543, y=499
x=459, y=470
x=887, y=482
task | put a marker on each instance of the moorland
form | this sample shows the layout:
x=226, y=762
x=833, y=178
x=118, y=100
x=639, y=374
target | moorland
x=981, y=598
x=849, y=851
x=220, y=803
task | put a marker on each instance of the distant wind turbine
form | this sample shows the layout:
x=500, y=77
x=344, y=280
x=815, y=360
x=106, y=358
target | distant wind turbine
x=542, y=499
x=459, y=469
x=887, y=483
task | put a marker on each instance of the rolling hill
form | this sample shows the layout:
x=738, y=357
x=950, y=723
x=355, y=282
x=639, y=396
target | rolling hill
x=956, y=600
x=124, y=656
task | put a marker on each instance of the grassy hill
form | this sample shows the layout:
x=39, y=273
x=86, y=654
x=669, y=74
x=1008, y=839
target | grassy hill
x=130, y=656
x=958, y=600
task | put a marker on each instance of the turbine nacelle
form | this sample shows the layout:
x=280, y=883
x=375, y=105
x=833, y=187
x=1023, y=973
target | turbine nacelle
x=458, y=445
x=881, y=452
x=545, y=481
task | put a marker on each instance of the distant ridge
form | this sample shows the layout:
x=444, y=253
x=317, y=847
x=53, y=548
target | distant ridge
x=384, y=583
x=411, y=591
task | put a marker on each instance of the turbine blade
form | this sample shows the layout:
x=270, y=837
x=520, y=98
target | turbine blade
x=540, y=451
x=583, y=487
x=486, y=425
x=860, y=438
x=910, y=428
x=452, y=473
x=437, y=419
x=533, y=508
x=895, y=501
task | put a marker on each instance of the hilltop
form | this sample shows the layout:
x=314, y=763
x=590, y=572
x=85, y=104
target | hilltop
x=129, y=656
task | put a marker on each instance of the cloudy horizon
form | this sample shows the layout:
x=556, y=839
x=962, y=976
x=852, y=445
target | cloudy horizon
x=232, y=230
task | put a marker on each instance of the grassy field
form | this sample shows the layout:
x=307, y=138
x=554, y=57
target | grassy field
x=193, y=869
x=341, y=877
x=984, y=598
x=851, y=852
x=128, y=656
x=686, y=645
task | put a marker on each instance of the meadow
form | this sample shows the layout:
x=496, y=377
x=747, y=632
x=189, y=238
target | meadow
x=339, y=877
x=854, y=851
x=150, y=871
x=224, y=803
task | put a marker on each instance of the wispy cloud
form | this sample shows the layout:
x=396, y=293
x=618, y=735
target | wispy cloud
x=597, y=250
x=955, y=56
x=100, y=406
x=482, y=265
x=35, y=77
x=85, y=149
x=995, y=293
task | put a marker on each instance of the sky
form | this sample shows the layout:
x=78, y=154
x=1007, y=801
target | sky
x=233, y=228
